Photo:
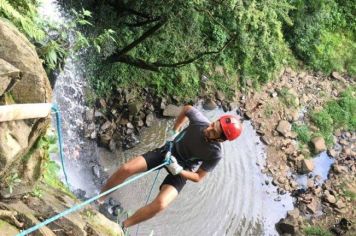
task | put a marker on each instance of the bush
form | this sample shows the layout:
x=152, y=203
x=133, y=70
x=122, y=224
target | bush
x=323, y=34
x=316, y=231
x=303, y=132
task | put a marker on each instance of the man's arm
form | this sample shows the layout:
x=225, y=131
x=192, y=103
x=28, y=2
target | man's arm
x=181, y=118
x=194, y=176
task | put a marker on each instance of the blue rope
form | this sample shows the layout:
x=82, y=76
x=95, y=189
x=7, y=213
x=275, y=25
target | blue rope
x=168, y=161
x=149, y=195
x=60, y=141
x=77, y=207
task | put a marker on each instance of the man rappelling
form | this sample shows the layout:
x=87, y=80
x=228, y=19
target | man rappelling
x=195, y=152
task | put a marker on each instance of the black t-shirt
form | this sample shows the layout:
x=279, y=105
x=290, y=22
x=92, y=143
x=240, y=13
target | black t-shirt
x=192, y=148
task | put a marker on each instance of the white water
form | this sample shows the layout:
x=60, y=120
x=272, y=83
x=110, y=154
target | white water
x=69, y=95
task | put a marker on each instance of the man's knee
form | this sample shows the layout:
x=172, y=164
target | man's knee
x=160, y=204
x=138, y=164
x=127, y=168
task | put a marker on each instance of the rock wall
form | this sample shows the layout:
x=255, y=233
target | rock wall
x=22, y=80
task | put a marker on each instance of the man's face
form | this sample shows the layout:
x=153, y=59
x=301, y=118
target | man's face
x=214, y=131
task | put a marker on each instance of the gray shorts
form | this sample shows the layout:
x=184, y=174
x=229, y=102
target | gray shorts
x=155, y=158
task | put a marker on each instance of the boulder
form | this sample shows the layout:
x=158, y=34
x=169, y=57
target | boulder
x=318, y=144
x=34, y=86
x=172, y=110
x=9, y=75
x=284, y=128
x=209, y=104
x=149, y=119
x=134, y=107
x=29, y=84
x=285, y=226
x=306, y=166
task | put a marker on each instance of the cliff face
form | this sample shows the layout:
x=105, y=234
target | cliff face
x=25, y=199
x=22, y=80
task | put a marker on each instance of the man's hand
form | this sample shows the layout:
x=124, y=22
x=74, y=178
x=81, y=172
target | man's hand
x=174, y=168
x=172, y=134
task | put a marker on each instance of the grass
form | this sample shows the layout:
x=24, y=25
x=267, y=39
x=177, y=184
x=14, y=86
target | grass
x=287, y=98
x=336, y=114
x=316, y=231
x=303, y=132
x=268, y=111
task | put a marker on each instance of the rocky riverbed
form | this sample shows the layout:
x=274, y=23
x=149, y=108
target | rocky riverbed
x=116, y=123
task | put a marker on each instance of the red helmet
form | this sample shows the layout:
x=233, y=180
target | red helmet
x=231, y=126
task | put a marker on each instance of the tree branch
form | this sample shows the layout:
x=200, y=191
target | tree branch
x=114, y=57
x=138, y=63
x=155, y=66
x=142, y=23
x=200, y=55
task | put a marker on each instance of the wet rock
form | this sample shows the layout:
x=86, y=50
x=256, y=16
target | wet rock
x=220, y=96
x=89, y=115
x=306, y=166
x=123, y=121
x=134, y=107
x=172, y=111
x=293, y=214
x=79, y=193
x=209, y=104
x=163, y=104
x=129, y=125
x=149, y=119
x=337, y=76
x=284, y=127
x=266, y=140
x=140, y=123
x=89, y=129
x=310, y=183
x=318, y=144
x=130, y=141
x=329, y=198
x=341, y=227
x=105, y=138
x=312, y=206
x=338, y=169
x=225, y=106
x=332, y=153
x=340, y=204
x=285, y=226
x=96, y=171
x=112, y=145
x=105, y=126
x=98, y=114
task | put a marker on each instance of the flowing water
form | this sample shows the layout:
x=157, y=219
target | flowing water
x=68, y=94
x=232, y=200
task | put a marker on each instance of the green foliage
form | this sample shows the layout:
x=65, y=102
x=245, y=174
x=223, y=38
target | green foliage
x=245, y=38
x=316, y=231
x=12, y=180
x=23, y=14
x=287, y=98
x=340, y=113
x=37, y=192
x=303, y=132
x=323, y=34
